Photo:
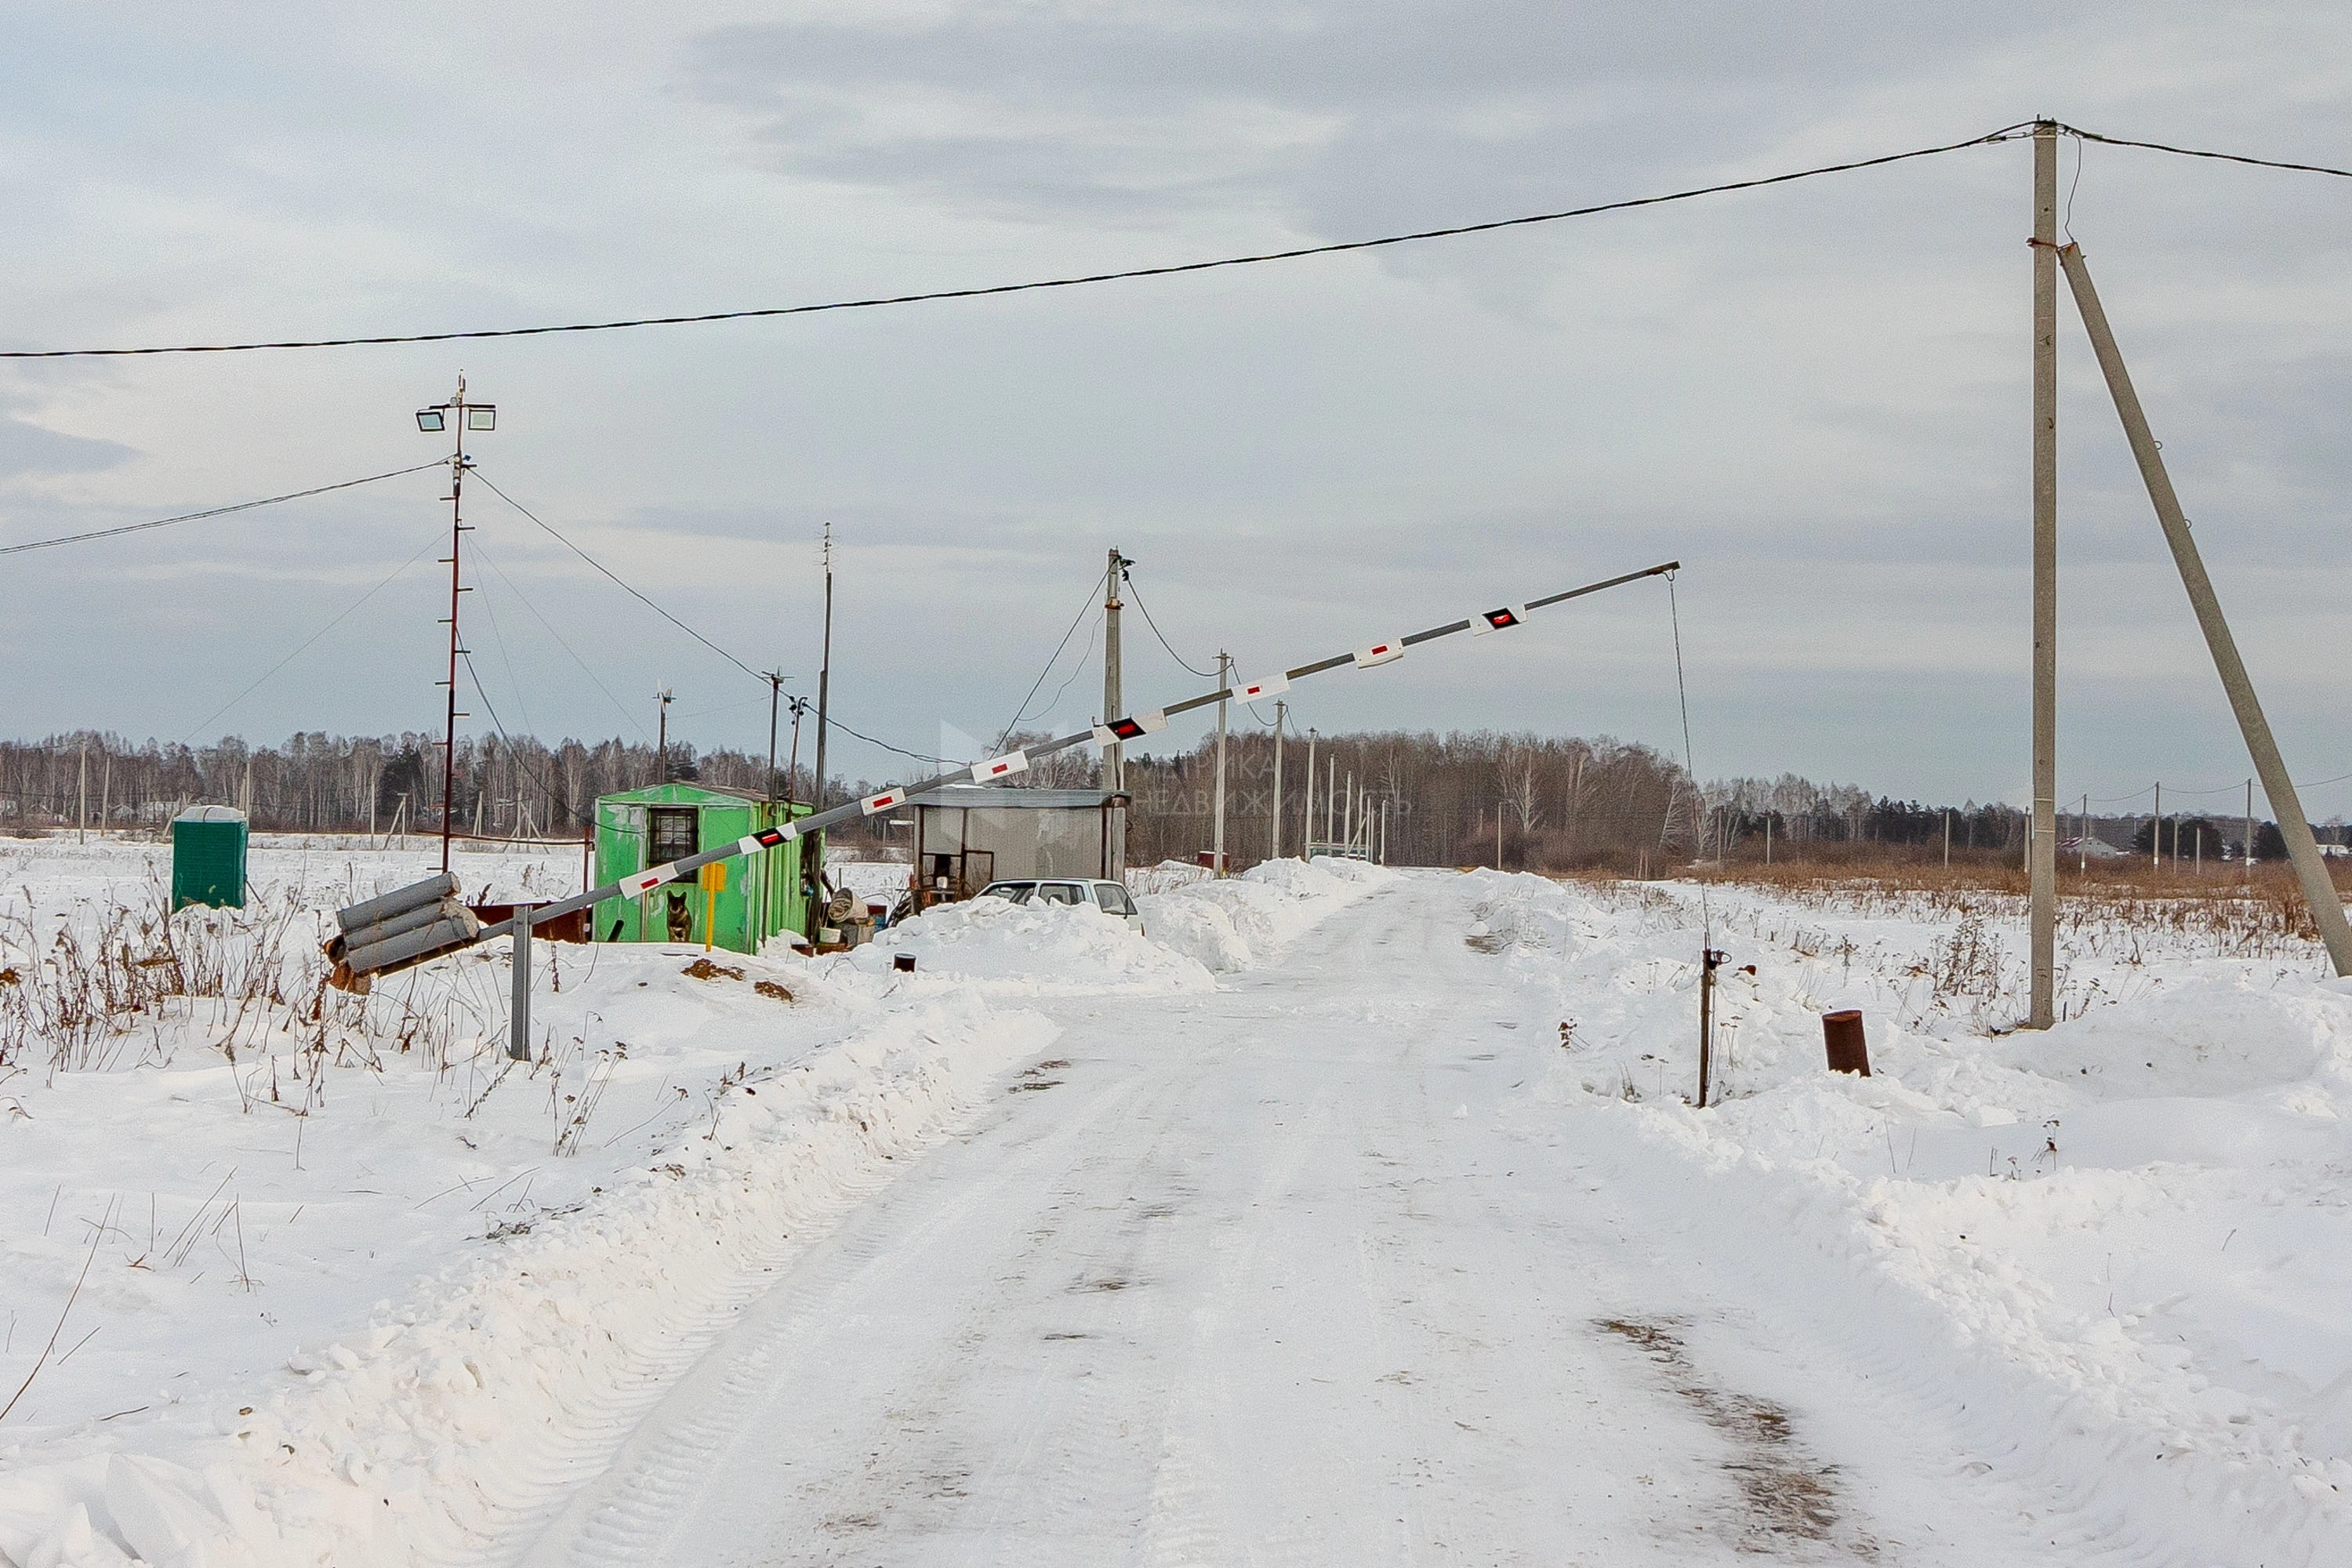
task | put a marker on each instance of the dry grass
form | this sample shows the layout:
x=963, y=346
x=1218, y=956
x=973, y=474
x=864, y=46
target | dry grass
x=101, y=985
x=2227, y=915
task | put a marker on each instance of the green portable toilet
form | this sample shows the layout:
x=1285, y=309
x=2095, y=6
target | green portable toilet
x=641, y=828
x=208, y=857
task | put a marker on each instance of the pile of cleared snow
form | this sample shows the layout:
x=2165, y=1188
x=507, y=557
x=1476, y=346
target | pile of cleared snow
x=1003, y=949
x=1241, y=921
x=278, y=1169
x=420, y=1435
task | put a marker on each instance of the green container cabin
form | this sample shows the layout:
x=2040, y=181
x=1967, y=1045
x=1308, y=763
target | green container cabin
x=641, y=828
x=209, y=848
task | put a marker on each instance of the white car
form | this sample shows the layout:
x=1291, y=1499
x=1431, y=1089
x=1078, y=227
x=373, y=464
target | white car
x=1111, y=898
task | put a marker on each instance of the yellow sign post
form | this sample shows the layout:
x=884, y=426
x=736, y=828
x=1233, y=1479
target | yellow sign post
x=713, y=878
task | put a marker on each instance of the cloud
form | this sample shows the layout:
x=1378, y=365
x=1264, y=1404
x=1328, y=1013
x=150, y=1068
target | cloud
x=27, y=450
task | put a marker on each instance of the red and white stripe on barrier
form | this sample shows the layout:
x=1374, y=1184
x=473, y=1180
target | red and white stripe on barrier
x=1002, y=767
x=883, y=802
x=1486, y=621
x=766, y=839
x=646, y=881
x=1134, y=727
x=1379, y=653
x=1272, y=686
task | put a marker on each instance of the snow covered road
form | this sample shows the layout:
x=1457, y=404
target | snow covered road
x=1296, y=1271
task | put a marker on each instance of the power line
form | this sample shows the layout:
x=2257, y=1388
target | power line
x=618, y=706
x=521, y=765
x=430, y=539
x=1023, y=711
x=2200, y=152
x=616, y=581
x=1129, y=579
x=2007, y=133
x=216, y=512
x=681, y=626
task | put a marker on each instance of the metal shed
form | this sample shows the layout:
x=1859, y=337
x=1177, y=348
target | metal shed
x=641, y=828
x=969, y=835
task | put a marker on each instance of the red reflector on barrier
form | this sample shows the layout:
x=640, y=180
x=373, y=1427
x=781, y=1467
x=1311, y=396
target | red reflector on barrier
x=883, y=802
x=1136, y=726
x=1000, y=767
x=1497, y=620
x=1379, y=653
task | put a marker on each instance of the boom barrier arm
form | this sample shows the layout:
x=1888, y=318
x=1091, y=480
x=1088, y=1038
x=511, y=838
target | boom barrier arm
x=1125, y=728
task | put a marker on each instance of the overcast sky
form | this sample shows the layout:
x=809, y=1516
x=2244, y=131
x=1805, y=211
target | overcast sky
x=1814, y=395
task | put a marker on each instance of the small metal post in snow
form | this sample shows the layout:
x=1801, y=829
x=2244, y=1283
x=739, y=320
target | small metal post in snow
x=518, y=1008
x=1710, y=960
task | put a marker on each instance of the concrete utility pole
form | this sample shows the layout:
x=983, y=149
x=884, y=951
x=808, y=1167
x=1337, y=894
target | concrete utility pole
x=2043, y=852
x=775, y=679
x=1224, y=684
x=2156, y=833
x=1274, y=850
x=1306, y=805
x=2310, y=869
x=1114, y=756
x=812, y=858
x=2246, y=859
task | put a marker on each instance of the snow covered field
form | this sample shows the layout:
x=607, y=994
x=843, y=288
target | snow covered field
x=1350, y=1216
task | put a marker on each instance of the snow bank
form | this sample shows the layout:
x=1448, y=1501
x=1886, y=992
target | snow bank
x=2121, y=1244
x=998, y=948
x=254, y=1186
x=427, y=1432
x=1244, y=920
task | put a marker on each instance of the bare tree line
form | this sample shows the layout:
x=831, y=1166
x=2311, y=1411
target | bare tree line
x=1560, y=804
x=317, y=783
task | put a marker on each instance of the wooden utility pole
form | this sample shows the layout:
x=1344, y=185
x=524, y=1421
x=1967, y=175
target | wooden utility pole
x=1113, y=755
x=2042, y=857
x=2310, y=869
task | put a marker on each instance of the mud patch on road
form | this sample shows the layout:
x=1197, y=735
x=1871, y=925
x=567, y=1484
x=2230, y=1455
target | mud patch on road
x=1790, y=1497
x=1035, y=1077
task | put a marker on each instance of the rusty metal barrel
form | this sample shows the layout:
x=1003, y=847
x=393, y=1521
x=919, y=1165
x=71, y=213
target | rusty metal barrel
x=1849, y=1052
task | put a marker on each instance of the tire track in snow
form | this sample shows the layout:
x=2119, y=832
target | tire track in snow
x=626, y=1515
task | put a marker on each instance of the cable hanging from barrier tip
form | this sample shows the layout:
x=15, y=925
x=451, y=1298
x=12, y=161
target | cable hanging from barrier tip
x=1690, y=767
